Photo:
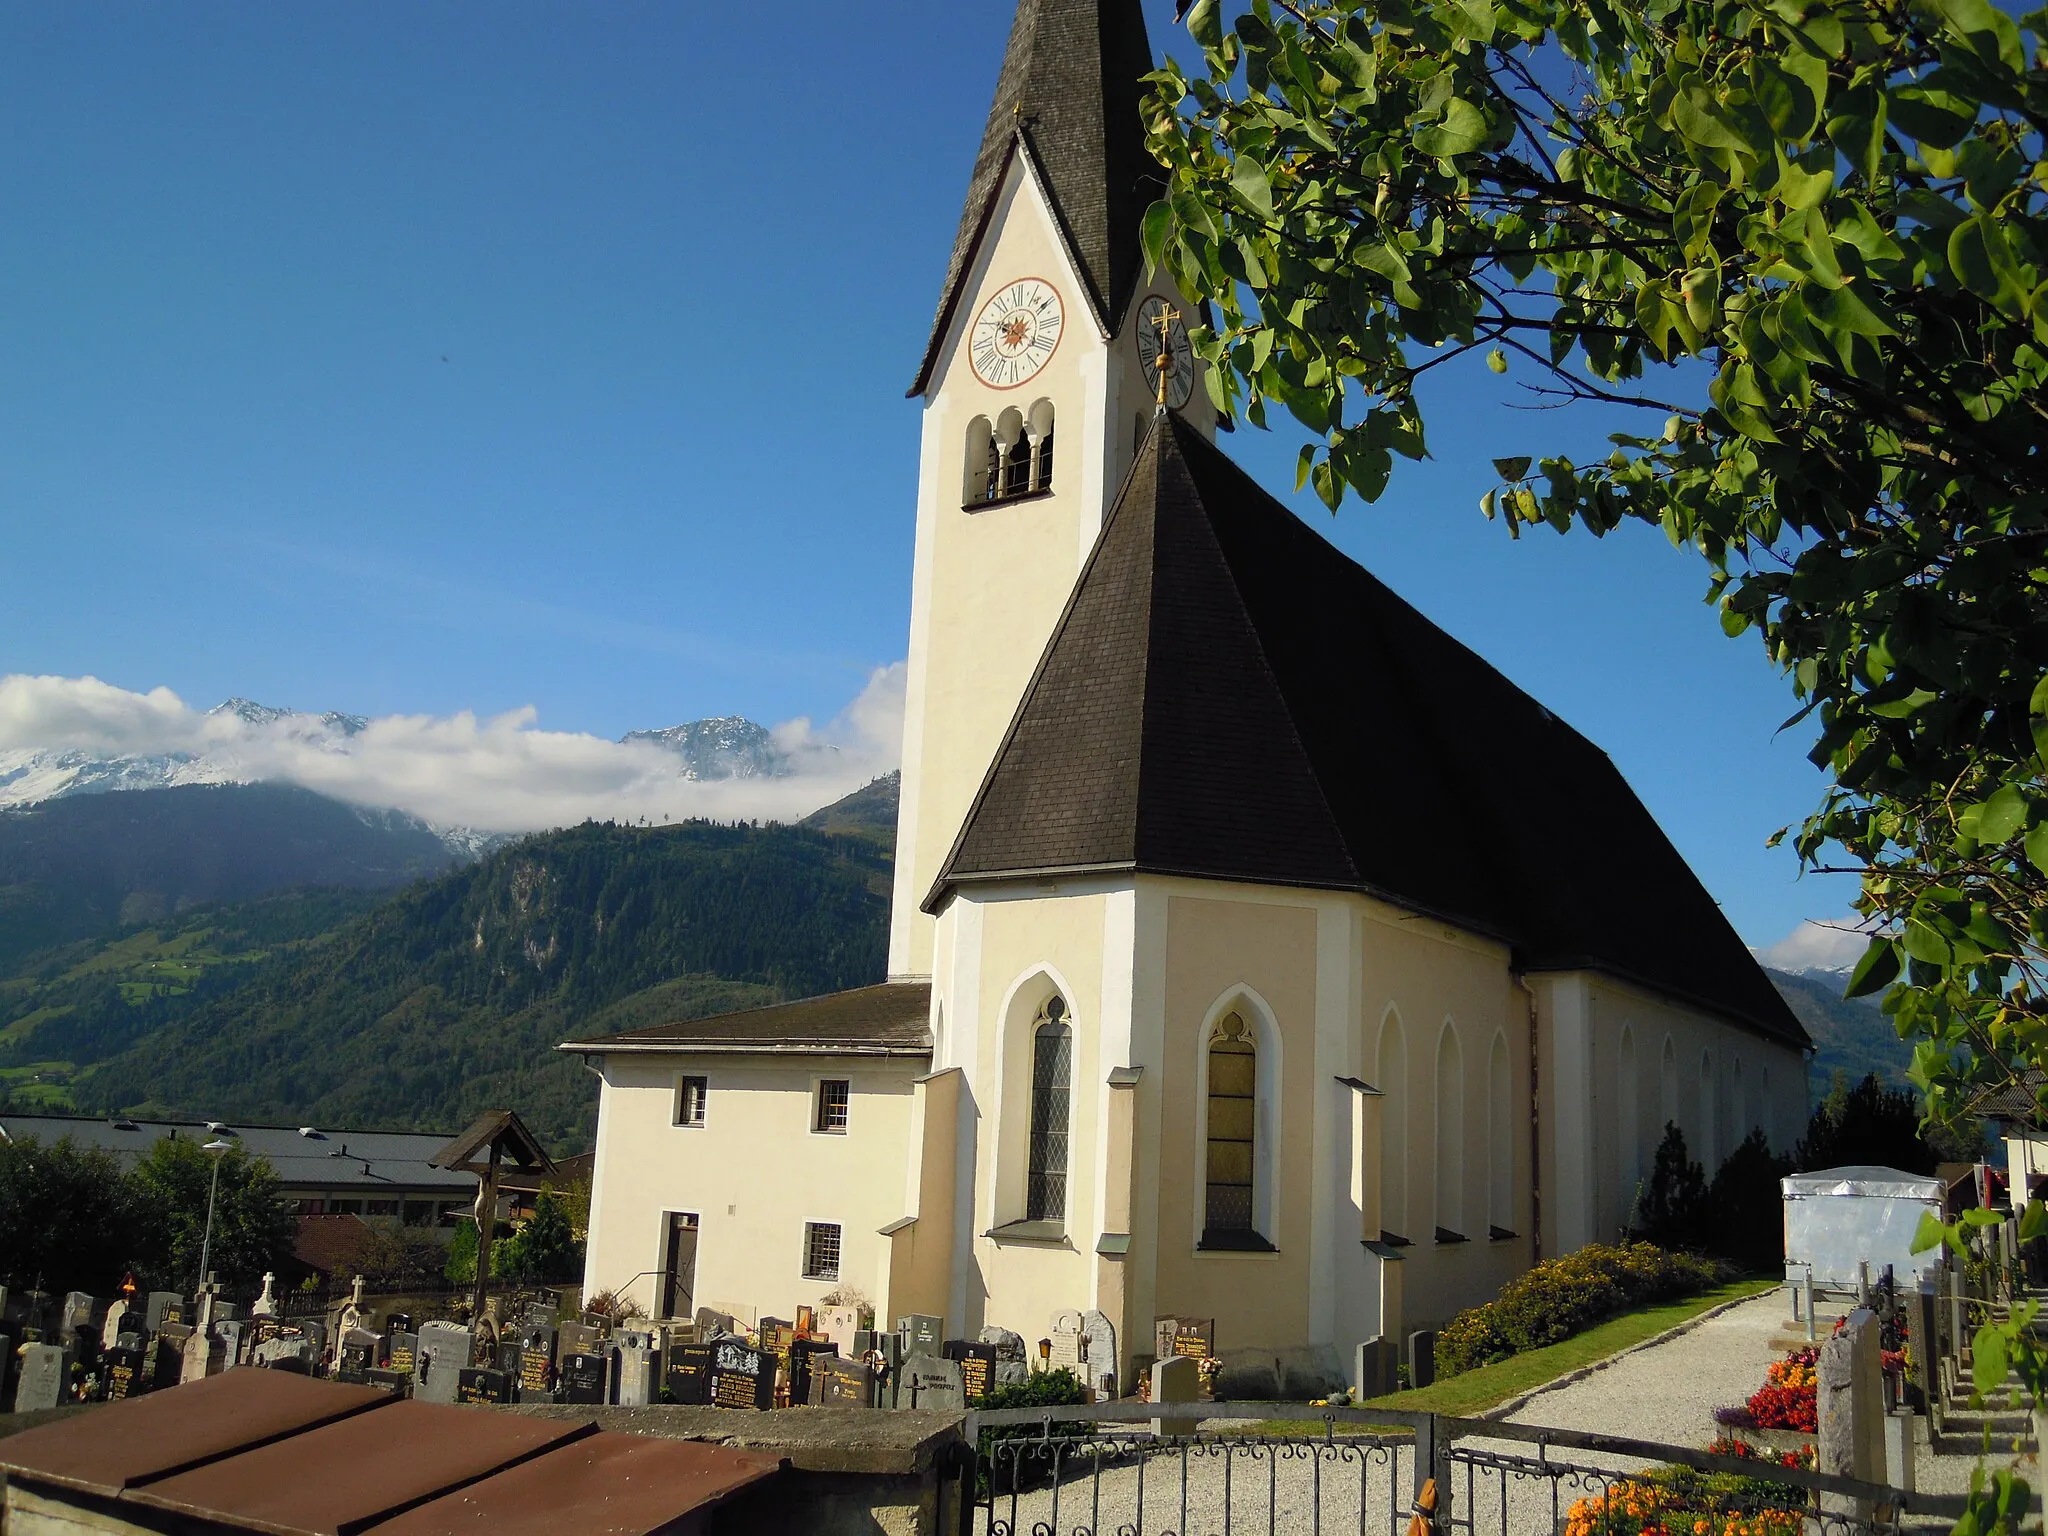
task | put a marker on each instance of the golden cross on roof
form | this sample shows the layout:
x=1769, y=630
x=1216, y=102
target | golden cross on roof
x=1165, y=320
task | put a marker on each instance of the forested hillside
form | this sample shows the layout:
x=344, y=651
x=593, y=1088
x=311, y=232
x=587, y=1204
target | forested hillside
x=451, y=996
x=88, y=865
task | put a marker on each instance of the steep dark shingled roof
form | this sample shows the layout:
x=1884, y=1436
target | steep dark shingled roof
x=1228, y=696
x=1070, y=84
x=893, y=1018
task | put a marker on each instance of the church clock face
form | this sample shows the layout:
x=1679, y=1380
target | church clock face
x=1180, y=353
x=1017, y=333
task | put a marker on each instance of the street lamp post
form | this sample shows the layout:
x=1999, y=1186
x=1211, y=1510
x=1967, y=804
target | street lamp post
x=216, y=1147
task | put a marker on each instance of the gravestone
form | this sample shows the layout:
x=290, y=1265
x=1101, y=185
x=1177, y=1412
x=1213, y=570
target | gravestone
x=158, y=1307
x=581, y=1380
x=81, y=1311
x=1013, y=1356
x=711, y=1321
x=776, y=1335
x=977, y=1364
x=839, y=1324
x=41, y=1381
x=396, y=1322
x=164, y=1362
x=922, y=1334
x=110, y=1330
x=1422, y=1357
x=402, y=1352
x=358, y=1356
x=805, y=1355
x=1098, y=1354
x=1176, y=1379
x=311, y=1329
x=1191, y=1337
x=688, y=1378
x=634, y=1363
x=1066, y=1344
x=1372, y=1370
x=483, y=1386
x=292, y=1352
x=202, y=1357
x=444, y=1352
x=121, y=1370
x=263, y=1327
x=1851, y=1410
x=233, y=1336
x=931, y=1384
x=537, y=1359
x=837, y=1383
x=577, y=1339
x=741, y=1376
x=890, y=1377
x=397, y=1383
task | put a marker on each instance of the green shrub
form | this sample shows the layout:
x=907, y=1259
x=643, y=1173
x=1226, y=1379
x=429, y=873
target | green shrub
x=1023, y=1466
x=1565, y=1296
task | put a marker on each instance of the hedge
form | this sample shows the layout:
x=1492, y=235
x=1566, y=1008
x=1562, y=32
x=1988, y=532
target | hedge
x=1561, y=1297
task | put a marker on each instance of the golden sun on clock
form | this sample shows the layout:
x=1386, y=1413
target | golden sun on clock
x=1016, y=333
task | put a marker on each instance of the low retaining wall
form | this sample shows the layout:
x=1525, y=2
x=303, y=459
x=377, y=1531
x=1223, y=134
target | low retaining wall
x=849, y=1471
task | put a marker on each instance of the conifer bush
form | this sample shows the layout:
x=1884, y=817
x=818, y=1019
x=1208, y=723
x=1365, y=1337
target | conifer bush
x=1565, y=1296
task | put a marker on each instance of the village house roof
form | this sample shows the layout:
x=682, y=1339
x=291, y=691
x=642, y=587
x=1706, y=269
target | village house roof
x=1230, y=697
x=304, y=1159
x=892, y=1019
x=1069, y=99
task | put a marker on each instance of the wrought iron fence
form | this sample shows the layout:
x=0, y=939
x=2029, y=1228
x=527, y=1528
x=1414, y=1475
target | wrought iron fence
x=1297, y=1468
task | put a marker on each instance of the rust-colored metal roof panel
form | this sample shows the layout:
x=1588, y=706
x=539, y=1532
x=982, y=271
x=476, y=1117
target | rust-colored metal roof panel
x=606, y=1485
x=142, y=1439
x=348, y=1476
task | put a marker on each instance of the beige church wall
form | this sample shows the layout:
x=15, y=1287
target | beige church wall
x=1217, y=951
x=1423, y=983
x=1032, y=942
x=754, y=1173
x=1630, y=1062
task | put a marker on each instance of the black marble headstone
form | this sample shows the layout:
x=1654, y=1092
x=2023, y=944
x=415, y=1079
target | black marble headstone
x=977, y=1366
x=398, y=1383
x=688, y=1378
x=582, y=1379
x=475, y=1386
x=121, y=1369
x=741, y=1376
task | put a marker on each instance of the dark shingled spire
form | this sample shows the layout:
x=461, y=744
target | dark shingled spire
x=1070, y=84
x=1229, y=697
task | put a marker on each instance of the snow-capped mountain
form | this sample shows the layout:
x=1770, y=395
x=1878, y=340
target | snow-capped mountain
x=729, y=747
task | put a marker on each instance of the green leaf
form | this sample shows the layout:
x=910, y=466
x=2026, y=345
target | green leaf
x=1703, y=120
x=1988, y=1363
x=2033, y=1221
x=1878, y=969
x=1512, y=469
x=1789, y=103
x=1497, y=360
x=2001, y=816
x=1929, y=1234
x=1989, y=30
x=1158, y=229
x=2037, y=848
x=1463, y=129
x=1843, y=309
x=1205, y=21
x=1250, y=182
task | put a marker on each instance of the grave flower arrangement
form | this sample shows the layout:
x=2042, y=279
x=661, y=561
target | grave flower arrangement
x=1647, y=1507
x=1788, y=1399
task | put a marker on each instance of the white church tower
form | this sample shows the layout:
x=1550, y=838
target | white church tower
x=1038, y=383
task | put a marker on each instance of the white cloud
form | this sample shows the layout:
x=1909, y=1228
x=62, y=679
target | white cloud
x=1832, y=945
x=502, y=774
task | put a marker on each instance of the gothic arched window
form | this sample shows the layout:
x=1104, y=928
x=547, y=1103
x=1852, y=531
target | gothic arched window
x=980, y=482
x=1041, y=446
x=1233, y=1121
x=1052, y=1071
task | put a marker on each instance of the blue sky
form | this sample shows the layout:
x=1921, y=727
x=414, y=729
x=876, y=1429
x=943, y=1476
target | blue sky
x=414, y=359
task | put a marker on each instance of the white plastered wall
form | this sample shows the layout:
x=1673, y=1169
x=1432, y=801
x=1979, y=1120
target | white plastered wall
x=753, y=1173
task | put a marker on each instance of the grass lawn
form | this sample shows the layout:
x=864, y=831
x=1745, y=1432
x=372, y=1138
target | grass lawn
x=1491, y=1385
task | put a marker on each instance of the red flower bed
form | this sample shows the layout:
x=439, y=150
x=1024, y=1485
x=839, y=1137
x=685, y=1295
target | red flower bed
x=1796, y=1408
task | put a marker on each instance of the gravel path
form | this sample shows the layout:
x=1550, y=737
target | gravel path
x=1665, y=1393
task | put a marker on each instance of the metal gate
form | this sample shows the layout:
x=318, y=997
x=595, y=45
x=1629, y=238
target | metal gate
x=1300, y=1470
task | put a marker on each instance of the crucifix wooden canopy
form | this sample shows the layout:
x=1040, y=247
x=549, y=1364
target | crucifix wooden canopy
x=500, y=1131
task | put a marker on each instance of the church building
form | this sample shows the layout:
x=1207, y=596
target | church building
x=1258, y=952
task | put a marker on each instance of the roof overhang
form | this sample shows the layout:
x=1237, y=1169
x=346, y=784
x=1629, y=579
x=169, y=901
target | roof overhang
x=741, y=1048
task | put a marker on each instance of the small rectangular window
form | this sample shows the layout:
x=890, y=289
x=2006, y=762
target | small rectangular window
x=690, y=1095
x=834, y=1094
x=821, y=1250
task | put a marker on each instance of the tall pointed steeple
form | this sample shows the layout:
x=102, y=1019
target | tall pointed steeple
x=1069, y=99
